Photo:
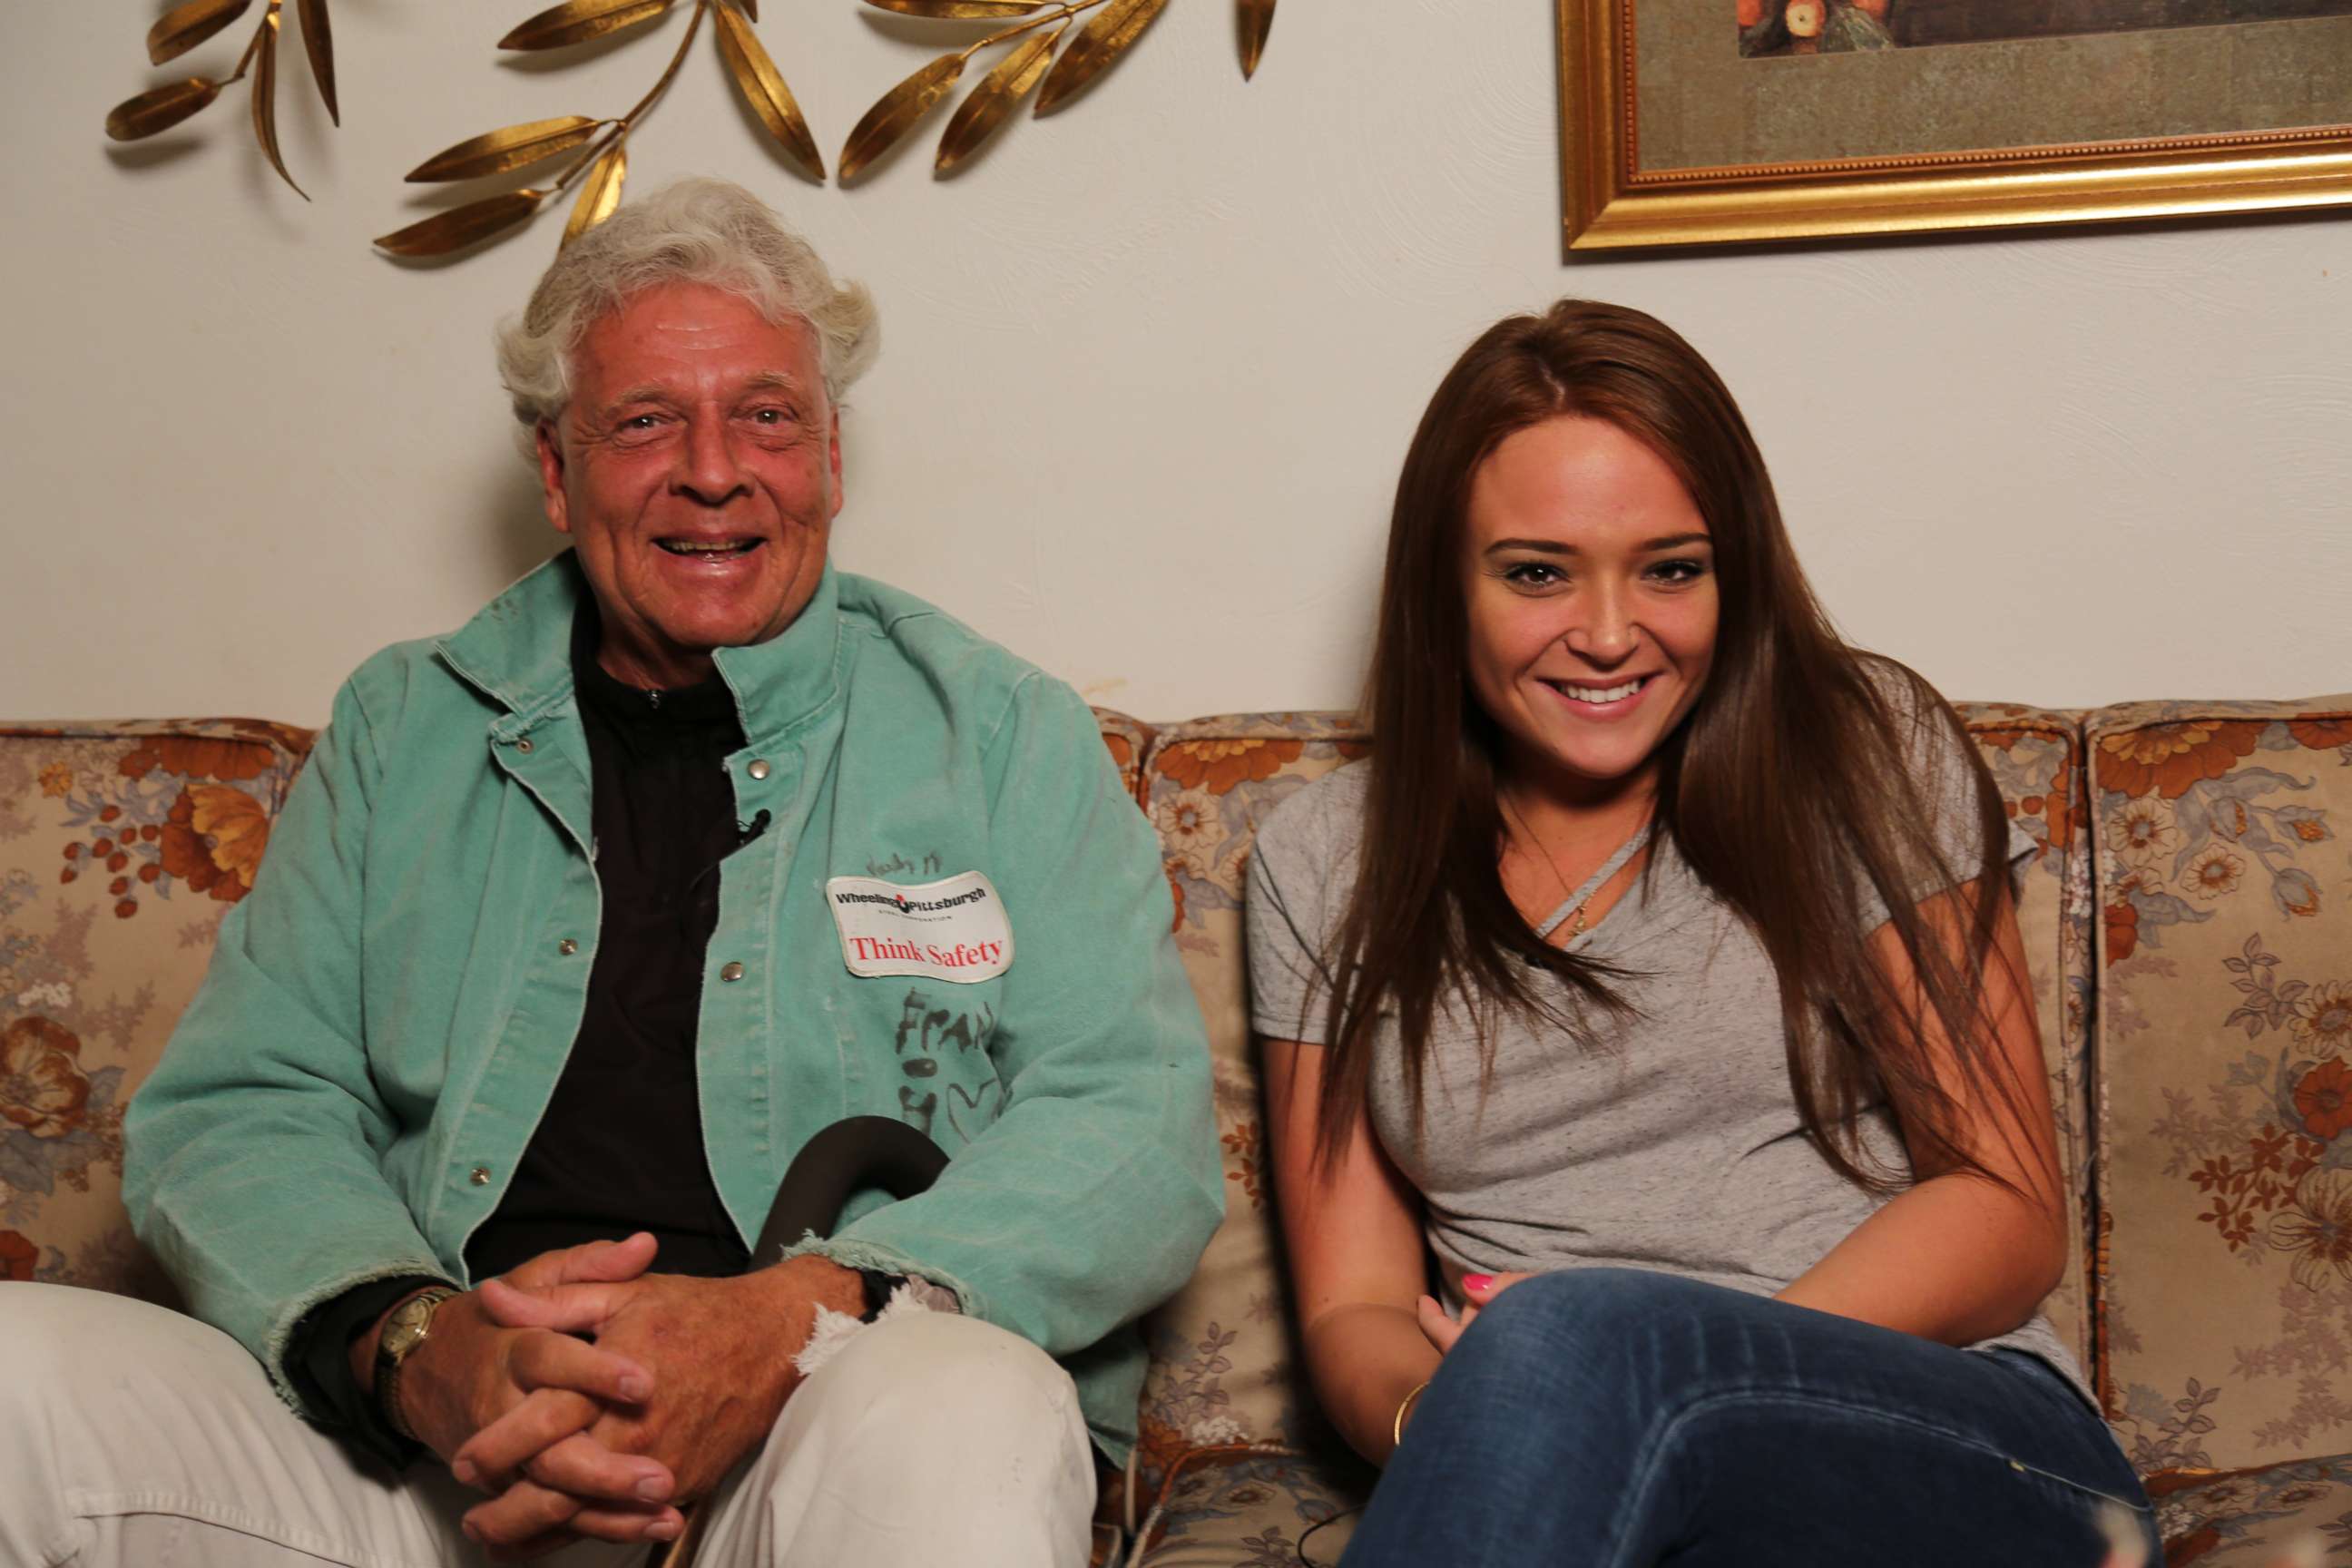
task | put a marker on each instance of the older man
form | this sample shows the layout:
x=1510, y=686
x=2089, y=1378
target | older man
x=579, y=924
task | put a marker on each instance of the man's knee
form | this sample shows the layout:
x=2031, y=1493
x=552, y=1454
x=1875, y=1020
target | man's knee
x=938, y=1383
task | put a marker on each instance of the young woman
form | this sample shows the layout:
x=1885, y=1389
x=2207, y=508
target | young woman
x=1659, y=977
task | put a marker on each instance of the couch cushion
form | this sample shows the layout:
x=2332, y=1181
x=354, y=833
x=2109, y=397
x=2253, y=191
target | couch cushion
x=2224, y=1051
x=1241, y=1510
x=2036, y=757
x=1223, y=1369
x=121, y=847
x=2258, y=1517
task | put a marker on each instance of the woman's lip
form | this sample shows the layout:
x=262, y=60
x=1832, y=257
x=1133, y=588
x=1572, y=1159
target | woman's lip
x=1602, y=710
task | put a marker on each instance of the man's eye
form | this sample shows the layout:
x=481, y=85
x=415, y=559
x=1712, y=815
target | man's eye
x=640, y=422
x=769, y=415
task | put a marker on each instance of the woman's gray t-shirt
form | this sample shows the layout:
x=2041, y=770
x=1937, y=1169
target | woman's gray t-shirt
x=1670, y=1140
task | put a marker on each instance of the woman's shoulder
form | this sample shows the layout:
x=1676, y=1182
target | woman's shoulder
x=1320, y=821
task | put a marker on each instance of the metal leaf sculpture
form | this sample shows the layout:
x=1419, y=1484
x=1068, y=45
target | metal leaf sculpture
x=461, y=227
x=1257, y=21
x=600, y=192
x=185, y=27
x=265, y=98
x=319, y=44
x=597, y=149
x=1030, y=67
x=582, y=21
x=762, y=86
x=510, y=147
x=992, y=102
x=182, y=27
x=600, y=164
x=897, y=111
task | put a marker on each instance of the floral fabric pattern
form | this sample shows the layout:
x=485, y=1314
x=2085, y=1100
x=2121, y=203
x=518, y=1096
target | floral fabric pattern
x=2253, y=1518
x=1220, y=1372
x=121, y=847
x=1257, y=1511
x=2186, y=927
x=2224, y=1060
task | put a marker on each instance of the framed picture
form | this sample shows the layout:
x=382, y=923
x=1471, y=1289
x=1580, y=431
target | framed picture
x=1715, y=121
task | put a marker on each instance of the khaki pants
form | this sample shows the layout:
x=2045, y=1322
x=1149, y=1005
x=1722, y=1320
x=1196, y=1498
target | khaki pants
x=133, y=1435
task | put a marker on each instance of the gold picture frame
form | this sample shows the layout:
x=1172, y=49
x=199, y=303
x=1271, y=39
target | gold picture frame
x=1704, y=156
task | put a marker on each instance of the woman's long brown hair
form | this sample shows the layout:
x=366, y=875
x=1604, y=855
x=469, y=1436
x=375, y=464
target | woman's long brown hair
x=1788, y=788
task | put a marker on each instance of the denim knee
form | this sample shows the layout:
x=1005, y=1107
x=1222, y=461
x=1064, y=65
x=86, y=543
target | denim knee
x=1629, y=1341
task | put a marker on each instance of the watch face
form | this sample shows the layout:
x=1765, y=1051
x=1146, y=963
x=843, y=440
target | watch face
x=405, y=1330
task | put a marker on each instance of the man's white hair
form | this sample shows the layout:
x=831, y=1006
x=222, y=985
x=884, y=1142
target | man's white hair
x=689, y=231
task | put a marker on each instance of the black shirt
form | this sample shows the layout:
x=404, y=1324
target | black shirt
x=620, y=1147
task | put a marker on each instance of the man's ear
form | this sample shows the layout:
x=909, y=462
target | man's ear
x=833, y=457
x=551, y=476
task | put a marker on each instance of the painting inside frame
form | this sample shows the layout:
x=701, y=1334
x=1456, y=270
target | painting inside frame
x=1671, y=135
x=1699, y=103
x=1803, y=27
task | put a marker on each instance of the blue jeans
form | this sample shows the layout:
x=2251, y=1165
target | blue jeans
x=1616, y=1417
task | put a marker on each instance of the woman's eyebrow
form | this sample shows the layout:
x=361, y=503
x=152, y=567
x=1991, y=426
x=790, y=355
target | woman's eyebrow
x=1554, y=547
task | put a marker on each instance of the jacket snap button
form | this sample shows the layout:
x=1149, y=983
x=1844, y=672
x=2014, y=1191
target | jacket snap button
x=731, y=972
x=759, y=768
x=523, y=744
x=567, y=947
x=481, y=1176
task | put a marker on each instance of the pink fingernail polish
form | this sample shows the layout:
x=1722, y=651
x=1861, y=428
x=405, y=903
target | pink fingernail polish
x=1481, y=1283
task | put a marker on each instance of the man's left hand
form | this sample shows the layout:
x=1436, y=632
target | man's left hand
x=720, y=1351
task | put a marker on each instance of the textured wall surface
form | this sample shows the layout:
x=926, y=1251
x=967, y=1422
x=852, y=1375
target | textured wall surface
x=1149, y=369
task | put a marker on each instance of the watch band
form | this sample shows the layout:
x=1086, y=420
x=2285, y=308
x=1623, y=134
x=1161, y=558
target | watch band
x=389, y=1359
x=878, y=1286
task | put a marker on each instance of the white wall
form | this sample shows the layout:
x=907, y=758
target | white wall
x=1149, y=369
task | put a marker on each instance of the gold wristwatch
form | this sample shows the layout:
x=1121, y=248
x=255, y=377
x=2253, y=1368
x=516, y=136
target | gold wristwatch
x=407, y=1326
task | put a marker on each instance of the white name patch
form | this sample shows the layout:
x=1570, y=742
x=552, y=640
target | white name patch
x=953, y=929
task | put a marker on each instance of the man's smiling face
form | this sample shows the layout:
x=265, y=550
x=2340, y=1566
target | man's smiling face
x=697, y=468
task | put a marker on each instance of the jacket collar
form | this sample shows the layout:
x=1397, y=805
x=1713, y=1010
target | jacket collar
x=518, y=651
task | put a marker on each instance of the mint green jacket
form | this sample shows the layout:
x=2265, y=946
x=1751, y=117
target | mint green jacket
x=386, y=1014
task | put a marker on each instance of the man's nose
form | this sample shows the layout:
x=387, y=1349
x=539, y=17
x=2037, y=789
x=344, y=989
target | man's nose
x=708, y=470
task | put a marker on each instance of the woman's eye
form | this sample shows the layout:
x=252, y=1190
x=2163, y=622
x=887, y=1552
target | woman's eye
x=1533, y=574
x=1679, y=571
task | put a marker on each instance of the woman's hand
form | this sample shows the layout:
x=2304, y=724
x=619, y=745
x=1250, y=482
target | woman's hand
x=1479, y=1291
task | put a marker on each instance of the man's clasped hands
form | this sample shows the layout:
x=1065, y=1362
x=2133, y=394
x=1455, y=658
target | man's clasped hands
x=589, y=1396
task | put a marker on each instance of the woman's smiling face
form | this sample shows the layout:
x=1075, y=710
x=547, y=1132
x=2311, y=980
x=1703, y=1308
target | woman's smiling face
x=1590, y=591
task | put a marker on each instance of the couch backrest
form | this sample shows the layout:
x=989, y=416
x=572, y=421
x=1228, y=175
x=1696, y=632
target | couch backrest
x=1223, y=1367
x=121, y=847
x=2223, y=1051
x=2202, y=865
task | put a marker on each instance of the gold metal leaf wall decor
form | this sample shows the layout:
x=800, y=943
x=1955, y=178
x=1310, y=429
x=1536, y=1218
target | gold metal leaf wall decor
x=592, y=153
x=1030, y=67
x=597, y=149
x=184, y=28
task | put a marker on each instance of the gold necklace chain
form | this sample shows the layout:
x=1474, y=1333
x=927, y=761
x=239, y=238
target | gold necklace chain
x=1577, y=922
x=1577, y=927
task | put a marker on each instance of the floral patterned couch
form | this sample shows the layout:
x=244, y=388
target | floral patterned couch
x=2189, y=924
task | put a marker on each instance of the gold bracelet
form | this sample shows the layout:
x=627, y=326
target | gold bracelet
x=1396, y=1439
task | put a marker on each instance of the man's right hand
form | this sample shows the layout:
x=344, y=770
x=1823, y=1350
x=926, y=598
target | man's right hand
x=471, y=1371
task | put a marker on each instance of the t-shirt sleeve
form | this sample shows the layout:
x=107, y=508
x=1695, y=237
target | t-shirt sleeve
x=1290, y=911
x=1943, y=774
